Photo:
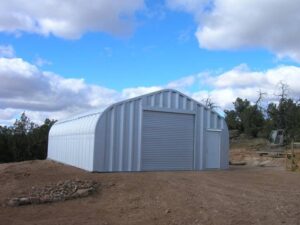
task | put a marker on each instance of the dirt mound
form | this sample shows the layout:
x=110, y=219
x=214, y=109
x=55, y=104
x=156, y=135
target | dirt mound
x=240, y=195
x=61, y=191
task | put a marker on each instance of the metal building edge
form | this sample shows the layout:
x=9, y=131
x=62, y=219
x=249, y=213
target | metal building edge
x=111, y=140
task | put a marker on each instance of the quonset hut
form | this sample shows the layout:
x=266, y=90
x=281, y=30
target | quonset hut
x=164, y=130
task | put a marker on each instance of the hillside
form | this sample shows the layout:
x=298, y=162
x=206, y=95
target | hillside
x=240, y=195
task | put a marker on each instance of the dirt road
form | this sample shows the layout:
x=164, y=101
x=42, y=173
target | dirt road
x=240, y=195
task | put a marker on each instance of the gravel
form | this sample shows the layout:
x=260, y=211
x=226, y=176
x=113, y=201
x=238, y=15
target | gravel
x=61, y=191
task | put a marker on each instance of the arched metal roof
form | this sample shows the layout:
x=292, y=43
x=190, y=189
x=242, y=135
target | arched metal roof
x=86, y=122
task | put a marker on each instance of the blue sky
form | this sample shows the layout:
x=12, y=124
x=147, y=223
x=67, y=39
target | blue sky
x=109, y=52
x=158, y=51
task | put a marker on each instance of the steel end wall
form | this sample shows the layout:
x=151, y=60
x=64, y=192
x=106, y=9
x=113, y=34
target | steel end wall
x=118, y=146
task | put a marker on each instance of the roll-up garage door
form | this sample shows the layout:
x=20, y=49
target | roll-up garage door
x=167, y=141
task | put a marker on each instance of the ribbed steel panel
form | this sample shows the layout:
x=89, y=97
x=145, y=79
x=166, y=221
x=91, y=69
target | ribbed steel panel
x=168, y=141
x=72, y=141
x=112, y=140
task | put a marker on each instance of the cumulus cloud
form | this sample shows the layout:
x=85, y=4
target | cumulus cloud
x=8, y=116
x=230, y=24
x=7, y=51
x=68, y=18
x=23, y=86
x=136, y=91
x=182, y=82
x=44, y=94
x=41, y=62
x=242, y=82
x=224, y=87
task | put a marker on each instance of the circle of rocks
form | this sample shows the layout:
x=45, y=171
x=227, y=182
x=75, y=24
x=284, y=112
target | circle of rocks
x=61, y=191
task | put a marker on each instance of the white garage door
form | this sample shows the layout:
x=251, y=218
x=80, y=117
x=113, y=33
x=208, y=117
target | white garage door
x=167, y=141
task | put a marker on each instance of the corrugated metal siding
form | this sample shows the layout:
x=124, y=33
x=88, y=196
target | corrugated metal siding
x=72, y=142
x=120, y=149
x=119, y=143
x=112, y=140
x=225, y=146
x=167, y=141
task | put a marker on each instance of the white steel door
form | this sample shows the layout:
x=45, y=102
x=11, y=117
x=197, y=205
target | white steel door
x=213, y=143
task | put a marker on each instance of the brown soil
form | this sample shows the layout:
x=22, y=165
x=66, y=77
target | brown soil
x=241, y=195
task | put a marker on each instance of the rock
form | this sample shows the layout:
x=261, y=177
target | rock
x=167, y=211
x=34, y=200
x=83, y=192
x=237, y=163
x=264, y=163
x=14, y=202
x=63, y=190
x=19, y=201
x=24, y=201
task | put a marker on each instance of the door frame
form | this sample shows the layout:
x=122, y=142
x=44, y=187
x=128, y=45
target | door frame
x=219, y=131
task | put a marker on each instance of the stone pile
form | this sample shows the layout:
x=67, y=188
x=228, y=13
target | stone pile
x=61, y=191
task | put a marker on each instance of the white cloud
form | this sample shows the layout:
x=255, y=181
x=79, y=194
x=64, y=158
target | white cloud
x=136, y=91
x=231, y=24
x=6, y=114
x=242, y=82
x=7, y=51
x=239, y=77
x=68, y=18
x=42, y=94
x=24, y=87
x=41, y=62
x=182, y=83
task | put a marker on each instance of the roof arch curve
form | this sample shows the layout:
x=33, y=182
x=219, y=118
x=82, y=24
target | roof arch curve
x=86, y=122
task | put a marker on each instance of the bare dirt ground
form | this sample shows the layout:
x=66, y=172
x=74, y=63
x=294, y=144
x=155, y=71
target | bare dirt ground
x=241, y=195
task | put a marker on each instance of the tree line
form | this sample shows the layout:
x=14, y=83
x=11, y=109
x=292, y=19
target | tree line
x=256, y=120
x=24, y=140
